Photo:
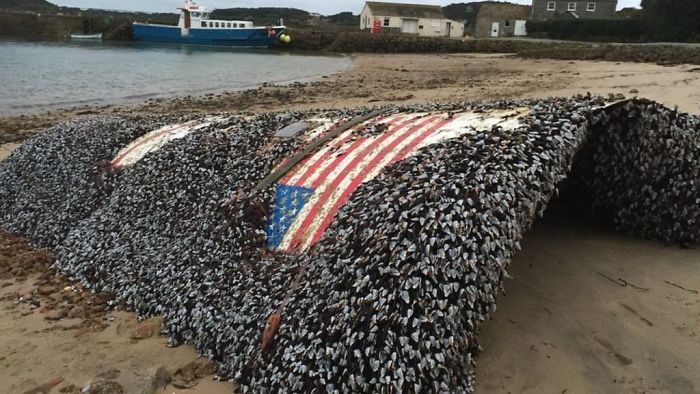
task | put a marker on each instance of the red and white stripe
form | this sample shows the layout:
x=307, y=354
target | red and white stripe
x=156, y=139
x=338, y=169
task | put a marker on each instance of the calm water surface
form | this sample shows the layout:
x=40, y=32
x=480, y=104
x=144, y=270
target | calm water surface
x=41, y=76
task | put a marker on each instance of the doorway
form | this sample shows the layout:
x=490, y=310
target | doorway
x=495, y=26
x=409, y=26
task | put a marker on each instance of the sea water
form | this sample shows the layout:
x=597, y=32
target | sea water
x=39, y=76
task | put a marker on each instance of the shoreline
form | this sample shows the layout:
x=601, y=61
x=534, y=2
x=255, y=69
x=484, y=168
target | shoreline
x=375, y=79
x=129, y=75
x=141, y=99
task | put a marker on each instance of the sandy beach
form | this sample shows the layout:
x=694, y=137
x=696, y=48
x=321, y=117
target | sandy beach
x=587, y=309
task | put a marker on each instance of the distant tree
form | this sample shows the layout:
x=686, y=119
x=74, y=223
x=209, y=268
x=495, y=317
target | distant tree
x=672, y=20
x=344, y=18
x=264, y=15
x=630, y=13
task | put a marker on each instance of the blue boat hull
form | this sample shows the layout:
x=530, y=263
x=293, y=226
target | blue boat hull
x=257, y=37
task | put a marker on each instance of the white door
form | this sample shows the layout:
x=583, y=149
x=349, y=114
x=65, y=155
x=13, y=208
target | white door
x=520, y=29
x=409, y=26
x=494, y=29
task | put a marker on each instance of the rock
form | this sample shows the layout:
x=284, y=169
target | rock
x=77, y=311
x=46, y=290
x=70, y=389
x=147, y=329
x=56, y=314
x=206, y=369
x=108, y=375
x=102, y=298
x=103, y=387
x=157, y=378
x=186, y=377
x=98, y=308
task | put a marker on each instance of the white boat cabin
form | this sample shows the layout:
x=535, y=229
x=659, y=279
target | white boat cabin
x=194, y=16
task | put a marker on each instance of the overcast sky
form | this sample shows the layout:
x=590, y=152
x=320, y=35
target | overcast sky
x=325, y=7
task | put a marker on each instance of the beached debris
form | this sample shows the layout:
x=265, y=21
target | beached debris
x=392, y=296
x=57, y=177
x=189, y=204
x=641, y=168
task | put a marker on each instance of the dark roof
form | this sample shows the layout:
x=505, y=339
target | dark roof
x=406, y=10
x=504, y=11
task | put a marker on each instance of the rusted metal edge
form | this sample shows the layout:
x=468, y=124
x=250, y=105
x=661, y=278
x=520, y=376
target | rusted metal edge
x=622, y=102
x=280, y=172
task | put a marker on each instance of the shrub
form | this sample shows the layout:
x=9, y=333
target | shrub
x=620, y=30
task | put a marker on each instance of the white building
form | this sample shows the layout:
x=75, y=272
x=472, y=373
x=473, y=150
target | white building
x=419, y=19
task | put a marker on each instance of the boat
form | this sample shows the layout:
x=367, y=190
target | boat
x=196, y=28
x=76, y=36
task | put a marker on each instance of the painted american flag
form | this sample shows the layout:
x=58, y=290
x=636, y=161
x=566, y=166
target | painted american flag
x=311, y=193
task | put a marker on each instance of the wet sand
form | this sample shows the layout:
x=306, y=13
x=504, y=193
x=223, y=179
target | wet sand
x=53, y=330
x=7, y=149
x=587, y=310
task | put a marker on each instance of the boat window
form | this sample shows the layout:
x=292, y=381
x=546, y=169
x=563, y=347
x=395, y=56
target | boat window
x=235, y=25
x=228, y=24
x=204, y=24
x=195, y=14
x=217, y=24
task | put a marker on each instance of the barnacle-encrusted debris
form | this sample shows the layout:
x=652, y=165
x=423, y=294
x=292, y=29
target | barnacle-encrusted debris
x=392, y=296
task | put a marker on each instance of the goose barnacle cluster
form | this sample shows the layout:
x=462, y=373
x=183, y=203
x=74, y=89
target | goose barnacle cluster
x=392, y=296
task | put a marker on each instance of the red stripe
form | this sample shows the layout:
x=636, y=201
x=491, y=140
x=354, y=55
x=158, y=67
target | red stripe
x=286, y=159
x=360, y=178
x=285, y=179
x=411, y=146
x=312, y=168
x=354, y=146
x=291, y=174
x=338, y=179
x=156, y=135
x=309, y=171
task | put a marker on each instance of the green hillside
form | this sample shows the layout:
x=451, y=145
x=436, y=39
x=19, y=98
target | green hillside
x=28, y=5
x=264, y=15
x=293, y=17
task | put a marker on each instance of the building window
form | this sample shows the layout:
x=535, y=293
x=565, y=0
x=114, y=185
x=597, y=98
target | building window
x=507, y=24
x=572, y=7
x=591, y=7
x=386, y=22
x=420, y=27
x=552, y=6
